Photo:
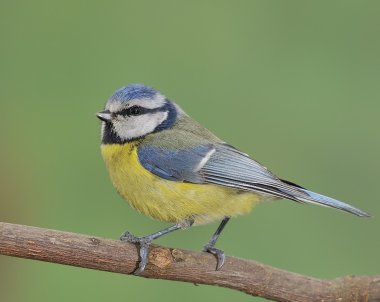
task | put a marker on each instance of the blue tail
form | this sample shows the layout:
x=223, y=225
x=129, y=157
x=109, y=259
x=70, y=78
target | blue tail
x=332, y=203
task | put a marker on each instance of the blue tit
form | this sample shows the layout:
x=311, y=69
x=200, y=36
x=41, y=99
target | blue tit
x=169, y=167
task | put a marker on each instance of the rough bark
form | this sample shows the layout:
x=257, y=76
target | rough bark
x=248, y=276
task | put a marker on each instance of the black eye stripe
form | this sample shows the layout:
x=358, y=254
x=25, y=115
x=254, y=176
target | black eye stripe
x=133, y=111
x=138, y=110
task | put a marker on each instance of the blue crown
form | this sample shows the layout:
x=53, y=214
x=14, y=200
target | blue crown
x=133, y=91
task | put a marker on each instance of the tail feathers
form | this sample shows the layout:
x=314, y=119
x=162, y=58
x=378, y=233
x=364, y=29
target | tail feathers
x=330, y=202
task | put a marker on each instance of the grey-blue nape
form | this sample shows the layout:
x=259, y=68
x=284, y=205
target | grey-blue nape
x=133, y=91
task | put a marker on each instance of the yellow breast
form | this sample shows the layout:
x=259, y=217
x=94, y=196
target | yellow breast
x=167, y=200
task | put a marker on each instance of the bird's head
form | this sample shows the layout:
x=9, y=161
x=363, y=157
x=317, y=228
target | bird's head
x=135, y=111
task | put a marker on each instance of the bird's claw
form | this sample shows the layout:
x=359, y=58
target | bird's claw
x=143, y=243
x=126, y=236
x=219, y=254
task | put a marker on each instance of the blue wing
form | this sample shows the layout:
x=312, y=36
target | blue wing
x=177, y=165
x=223, y=165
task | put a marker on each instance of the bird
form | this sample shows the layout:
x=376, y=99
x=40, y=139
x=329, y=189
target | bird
x=172, y=169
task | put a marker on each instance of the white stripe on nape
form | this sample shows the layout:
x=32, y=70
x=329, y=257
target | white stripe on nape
x=156, y=102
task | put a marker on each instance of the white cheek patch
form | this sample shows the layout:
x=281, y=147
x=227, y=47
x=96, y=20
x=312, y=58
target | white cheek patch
x=136, y=126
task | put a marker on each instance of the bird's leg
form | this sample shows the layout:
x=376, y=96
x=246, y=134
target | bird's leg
x=145, y=241
x=209, y=247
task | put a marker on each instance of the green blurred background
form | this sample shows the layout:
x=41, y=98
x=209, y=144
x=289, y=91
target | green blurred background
x=293, y=83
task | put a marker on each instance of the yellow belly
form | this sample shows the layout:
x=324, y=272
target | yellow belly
x=167, y=200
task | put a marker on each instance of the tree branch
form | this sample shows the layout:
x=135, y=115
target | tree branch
x=175, y=264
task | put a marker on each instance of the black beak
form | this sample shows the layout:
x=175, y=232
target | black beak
x=104, y=116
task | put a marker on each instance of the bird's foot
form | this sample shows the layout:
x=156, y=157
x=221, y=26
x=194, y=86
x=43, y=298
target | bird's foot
x=143, y=243
x=219, y=254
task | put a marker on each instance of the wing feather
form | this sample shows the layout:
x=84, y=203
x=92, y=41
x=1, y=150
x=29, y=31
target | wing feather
x=176, y=165
x=223, y=165
x=230, y=167
x=215, y=163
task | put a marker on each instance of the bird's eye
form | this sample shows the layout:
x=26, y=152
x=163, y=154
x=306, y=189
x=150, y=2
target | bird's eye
x=135, y=110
